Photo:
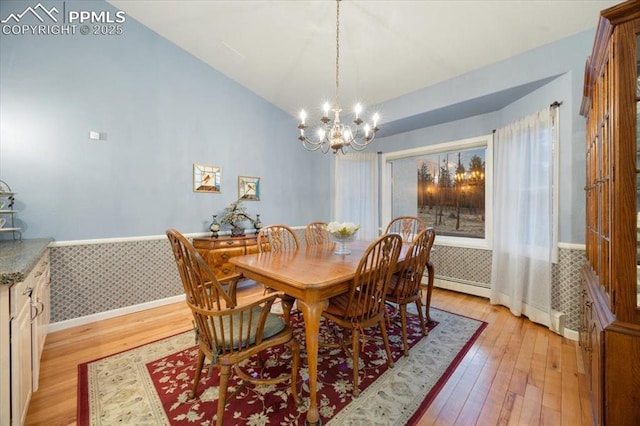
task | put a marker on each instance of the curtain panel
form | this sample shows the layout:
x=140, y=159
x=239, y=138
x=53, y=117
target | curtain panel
x=356, y=192
x=523, y=237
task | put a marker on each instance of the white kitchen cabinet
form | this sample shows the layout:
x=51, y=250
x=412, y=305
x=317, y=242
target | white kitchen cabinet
x=21, y=378
x=24, y=319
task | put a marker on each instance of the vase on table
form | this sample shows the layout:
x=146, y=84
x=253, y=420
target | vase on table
x=237, y=231
x=214, y=227
x=342, y=234
x=257, y=224
x=341, y=242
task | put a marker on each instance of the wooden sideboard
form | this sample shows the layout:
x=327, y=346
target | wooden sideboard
x=217, y=252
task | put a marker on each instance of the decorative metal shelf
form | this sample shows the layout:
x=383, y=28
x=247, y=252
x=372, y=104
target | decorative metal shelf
x=8, y=194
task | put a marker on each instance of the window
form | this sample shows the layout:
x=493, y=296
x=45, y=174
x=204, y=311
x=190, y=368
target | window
x=447, y=185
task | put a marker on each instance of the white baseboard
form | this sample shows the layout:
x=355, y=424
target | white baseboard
x=461, y=287
x=75, y=322
x=571, y=334
x=557, y=318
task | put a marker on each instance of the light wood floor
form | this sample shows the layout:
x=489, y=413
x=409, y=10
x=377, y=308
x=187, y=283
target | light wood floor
x=516, y=373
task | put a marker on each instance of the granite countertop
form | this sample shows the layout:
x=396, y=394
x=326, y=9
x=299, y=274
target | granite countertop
x=19, y=257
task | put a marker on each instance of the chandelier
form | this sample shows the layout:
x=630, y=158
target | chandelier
x=334, y=134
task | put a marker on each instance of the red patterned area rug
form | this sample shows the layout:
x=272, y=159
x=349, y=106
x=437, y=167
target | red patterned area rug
x=149, y=385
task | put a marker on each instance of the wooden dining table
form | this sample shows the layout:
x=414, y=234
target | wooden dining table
x=311, y=276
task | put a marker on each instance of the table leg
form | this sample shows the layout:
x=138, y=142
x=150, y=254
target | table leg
x=287, y=304
x=429, y=290
x=312, y=314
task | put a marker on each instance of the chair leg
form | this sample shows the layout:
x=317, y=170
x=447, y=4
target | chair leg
x=403, y=321
x=385, y=339
x=355, y=339
x=295, y=362
x=423, y=324
x=225, y=372
x=196, y=378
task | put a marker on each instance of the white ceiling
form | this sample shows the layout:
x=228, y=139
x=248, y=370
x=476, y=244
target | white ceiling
x=284, y=50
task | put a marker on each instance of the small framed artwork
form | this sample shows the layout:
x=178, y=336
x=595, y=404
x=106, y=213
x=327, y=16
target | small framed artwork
x=206, y=178
x=249, y=188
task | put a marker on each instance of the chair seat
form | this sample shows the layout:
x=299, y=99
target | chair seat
x=273, y=325
x=393, y=285
x=338, y=307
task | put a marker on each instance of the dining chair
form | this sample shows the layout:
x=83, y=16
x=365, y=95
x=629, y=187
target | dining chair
x=228, y=333
x=363, y=305
x=406, y=226
x=316, y=234
x=405, y=285
x=277, y=238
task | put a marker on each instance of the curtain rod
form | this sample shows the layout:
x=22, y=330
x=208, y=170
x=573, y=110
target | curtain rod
x=555, y=104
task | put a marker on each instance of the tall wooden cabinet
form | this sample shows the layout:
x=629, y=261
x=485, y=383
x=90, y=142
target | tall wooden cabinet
x=610, y=329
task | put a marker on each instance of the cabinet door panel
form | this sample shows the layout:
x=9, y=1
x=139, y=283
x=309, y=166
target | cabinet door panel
x=21, y=378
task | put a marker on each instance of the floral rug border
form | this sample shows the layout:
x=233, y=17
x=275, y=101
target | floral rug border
x=394, y=398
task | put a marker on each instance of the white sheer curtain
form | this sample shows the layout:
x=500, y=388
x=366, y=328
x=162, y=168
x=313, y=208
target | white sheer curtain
x=356, y=192
x=523, y=216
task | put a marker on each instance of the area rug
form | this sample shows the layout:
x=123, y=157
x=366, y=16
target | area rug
x=149, y=385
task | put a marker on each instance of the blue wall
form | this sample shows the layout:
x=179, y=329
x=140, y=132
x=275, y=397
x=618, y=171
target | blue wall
x=559, y=66
x=161, y=110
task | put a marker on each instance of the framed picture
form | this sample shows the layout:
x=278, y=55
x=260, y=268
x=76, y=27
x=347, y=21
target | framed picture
x=249, y=188
x=206, y=178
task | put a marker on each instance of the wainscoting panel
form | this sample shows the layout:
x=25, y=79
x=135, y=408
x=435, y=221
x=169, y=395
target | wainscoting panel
x=565, y=288
x=96, y=277
x=99, y=277
x=466, y=265
x=473, y=267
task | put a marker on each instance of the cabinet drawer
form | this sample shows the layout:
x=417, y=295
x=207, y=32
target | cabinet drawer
x=218, y=244
x=21, y=292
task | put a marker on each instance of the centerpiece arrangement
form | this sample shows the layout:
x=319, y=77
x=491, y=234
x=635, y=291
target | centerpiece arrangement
x=342, y=233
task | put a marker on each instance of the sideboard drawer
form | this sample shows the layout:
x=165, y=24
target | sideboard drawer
x=217, y=252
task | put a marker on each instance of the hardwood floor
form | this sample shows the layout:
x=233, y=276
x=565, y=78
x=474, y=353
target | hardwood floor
x=516, y=373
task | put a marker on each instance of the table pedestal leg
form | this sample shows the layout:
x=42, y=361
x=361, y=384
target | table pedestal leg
x=312, y=314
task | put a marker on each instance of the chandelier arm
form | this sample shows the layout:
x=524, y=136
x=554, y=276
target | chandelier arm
x=311, y=145
x=365, y=141
x=314, y=148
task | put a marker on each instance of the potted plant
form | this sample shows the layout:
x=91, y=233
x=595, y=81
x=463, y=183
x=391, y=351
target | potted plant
x=234, y=215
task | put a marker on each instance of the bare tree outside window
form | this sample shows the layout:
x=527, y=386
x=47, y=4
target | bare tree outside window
x=451, y=192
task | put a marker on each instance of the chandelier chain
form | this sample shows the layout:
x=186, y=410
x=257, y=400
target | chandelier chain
x=338, y=54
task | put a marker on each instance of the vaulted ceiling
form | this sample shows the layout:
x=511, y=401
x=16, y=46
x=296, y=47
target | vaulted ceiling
x=285, y=50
